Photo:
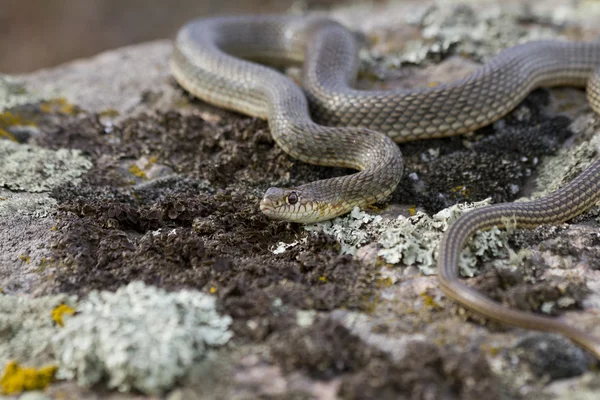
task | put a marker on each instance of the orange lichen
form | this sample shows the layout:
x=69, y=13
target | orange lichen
x=17, y=379
x=59, y=312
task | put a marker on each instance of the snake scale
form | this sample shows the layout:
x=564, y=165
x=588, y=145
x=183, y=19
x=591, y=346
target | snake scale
x=328, y=122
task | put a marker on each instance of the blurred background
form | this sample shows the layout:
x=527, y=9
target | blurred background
x=42, y=33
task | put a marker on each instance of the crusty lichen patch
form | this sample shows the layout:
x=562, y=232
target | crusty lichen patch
x=34, y=169
x=26, y=328
x=13, y=94
x=411, y=241
x=139, y=338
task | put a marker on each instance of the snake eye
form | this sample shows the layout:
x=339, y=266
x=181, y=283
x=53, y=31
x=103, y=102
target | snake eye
x=292, y=198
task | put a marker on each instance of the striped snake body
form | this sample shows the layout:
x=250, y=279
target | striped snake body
x=331, y=123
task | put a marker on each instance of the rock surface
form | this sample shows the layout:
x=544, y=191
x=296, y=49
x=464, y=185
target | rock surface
x=111, y=174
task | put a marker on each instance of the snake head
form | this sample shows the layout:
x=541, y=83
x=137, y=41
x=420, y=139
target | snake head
x=290, y=205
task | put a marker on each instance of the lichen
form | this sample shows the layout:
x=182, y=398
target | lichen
x=556, y=171
x=413, y=240
x=13, y=94
x=139, y=338
x=38, y=205
x=26, y=328
x=17, y=379
x=58, y=314
x=459, y=29
x=34, y=169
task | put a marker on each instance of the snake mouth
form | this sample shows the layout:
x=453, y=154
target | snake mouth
x=266, y=206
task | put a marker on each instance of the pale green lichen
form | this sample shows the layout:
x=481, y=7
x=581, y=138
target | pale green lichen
x=37, y=205
x=139, y=338
x=555, y=172
x=455, y=27
x=26, y=328
x=13, y=94
x=411, y=241
x=35, y=169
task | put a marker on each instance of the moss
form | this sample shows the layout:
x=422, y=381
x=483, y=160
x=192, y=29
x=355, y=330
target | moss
x=17, y=379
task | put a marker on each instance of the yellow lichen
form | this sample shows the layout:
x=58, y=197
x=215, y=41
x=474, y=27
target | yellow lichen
x=412, y=211
x=6, y=134
x=17, y=379
x=212, y=290
x=60, y=105
x=323, y=279
x=110, y=113
x=151, y=161
x=462, y=189
x=59, y=312
x=135, y=170
x=10, y=119
x=24, y=258
x=430, y=301
x=491, y=350
x=385, y=282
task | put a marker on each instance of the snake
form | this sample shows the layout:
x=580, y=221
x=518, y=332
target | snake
x=236, y=62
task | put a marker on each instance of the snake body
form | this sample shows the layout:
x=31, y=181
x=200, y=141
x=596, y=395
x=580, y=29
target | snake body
x=331, y=123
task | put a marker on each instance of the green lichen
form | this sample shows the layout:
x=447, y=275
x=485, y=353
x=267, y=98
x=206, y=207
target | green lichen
x=34, y=169
x=26, y=328
x=13, y=94
x=555, y=172
x=37, y=205
x=139, y=338
x=456, y=28
x=412, y=241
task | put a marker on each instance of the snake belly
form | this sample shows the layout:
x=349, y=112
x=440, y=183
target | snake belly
x=331, y=123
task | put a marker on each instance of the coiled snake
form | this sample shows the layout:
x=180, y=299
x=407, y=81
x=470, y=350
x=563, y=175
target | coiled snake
x=360, y=127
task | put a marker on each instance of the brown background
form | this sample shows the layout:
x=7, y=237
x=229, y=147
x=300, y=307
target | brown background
x=42, y=33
